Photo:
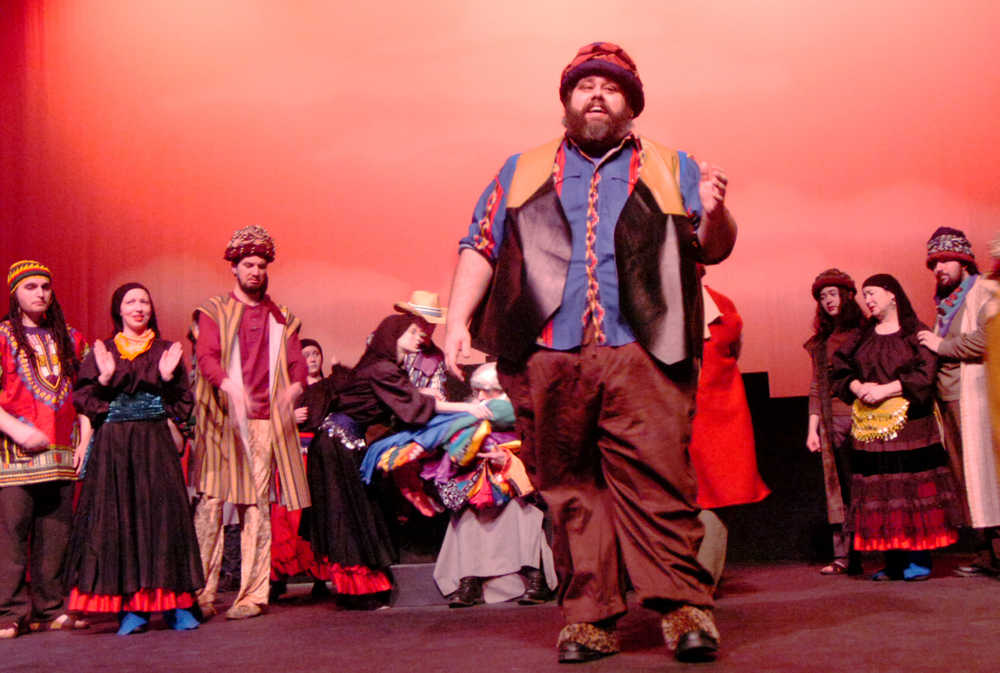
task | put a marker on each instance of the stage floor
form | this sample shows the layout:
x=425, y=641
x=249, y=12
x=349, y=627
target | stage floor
x=773, y=617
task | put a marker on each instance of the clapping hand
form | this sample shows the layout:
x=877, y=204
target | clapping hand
x=105, y=363
x=169, y=360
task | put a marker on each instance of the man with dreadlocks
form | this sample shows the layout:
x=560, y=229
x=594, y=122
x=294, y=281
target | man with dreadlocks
x=39, y=357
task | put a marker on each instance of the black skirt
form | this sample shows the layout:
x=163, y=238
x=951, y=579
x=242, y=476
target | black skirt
x=345, y=524
x=133, y=525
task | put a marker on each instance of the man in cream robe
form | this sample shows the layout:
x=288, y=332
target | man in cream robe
x=959, y=340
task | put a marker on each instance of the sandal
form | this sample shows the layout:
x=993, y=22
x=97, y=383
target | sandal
x=64, y=622
x=838, y=567
x=11, y=631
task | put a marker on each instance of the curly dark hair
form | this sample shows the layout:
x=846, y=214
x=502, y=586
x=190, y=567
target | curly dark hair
x=849, y=317
x=54, y=320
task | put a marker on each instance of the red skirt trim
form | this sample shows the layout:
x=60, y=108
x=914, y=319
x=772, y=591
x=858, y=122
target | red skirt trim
x=290, y=554
x=354, y=580
x=909, y=544
x=144, y=600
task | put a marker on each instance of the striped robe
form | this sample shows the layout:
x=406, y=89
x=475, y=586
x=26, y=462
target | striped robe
x=220, y=464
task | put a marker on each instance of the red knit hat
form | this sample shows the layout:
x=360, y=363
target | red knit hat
x=832, y=278
x=610, y=60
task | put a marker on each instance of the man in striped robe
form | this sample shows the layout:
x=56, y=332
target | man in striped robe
x=250, y=373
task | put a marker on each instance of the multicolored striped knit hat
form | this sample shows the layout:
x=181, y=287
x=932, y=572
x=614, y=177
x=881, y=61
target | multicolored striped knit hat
x=26, y=268
x=252, y=240
x=947, y=244
x=609, y=60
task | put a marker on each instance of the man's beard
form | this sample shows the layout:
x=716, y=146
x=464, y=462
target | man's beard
x=945, y=285
x=596, y=136
x=255, y=292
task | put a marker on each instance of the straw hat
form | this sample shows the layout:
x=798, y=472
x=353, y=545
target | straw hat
x=424, y=304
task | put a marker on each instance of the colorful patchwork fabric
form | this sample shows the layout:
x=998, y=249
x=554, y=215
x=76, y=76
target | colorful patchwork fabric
x=464, y=446
x=398, y=456
x=457, y=439
x=465, y=442
x=429, y=436
x=482, y=484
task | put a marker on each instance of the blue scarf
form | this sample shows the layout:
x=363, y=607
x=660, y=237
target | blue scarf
x=948, y=307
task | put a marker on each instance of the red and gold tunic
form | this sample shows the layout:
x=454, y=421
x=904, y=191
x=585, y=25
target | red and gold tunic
x=42, y=396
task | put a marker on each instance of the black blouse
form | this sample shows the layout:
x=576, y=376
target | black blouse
x=883, y=358
x=132, y=376
x=377, y=393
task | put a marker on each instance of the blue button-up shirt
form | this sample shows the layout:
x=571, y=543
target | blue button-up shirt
x=612, y=179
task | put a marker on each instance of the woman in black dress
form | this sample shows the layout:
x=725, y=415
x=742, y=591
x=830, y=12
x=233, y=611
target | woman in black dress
x=133, y=548
x=345, y=524
x=903, y=495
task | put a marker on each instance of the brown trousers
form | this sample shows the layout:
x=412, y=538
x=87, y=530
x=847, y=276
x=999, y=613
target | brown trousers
x=605, y=435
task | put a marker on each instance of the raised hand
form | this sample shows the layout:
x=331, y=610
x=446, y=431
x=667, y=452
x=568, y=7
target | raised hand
x=169, y=360
x=105, y=363
x=712, y=189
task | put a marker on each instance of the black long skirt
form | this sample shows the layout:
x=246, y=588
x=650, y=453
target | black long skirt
x=345, y=524
x=133, y=527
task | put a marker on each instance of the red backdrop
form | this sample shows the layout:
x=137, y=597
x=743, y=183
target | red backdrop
x=137, y=135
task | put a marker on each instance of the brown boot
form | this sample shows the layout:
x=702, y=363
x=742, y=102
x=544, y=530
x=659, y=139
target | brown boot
x=469, y=593
x=537, y=591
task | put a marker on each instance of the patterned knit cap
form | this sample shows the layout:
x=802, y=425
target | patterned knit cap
x=832, y=278
x=26, y=268
x=947, y=244
x=252, y=240
x=609, y=60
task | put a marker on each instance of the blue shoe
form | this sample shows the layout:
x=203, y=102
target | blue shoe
x=916, y=573
x=180, y=619
x=133, y=622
